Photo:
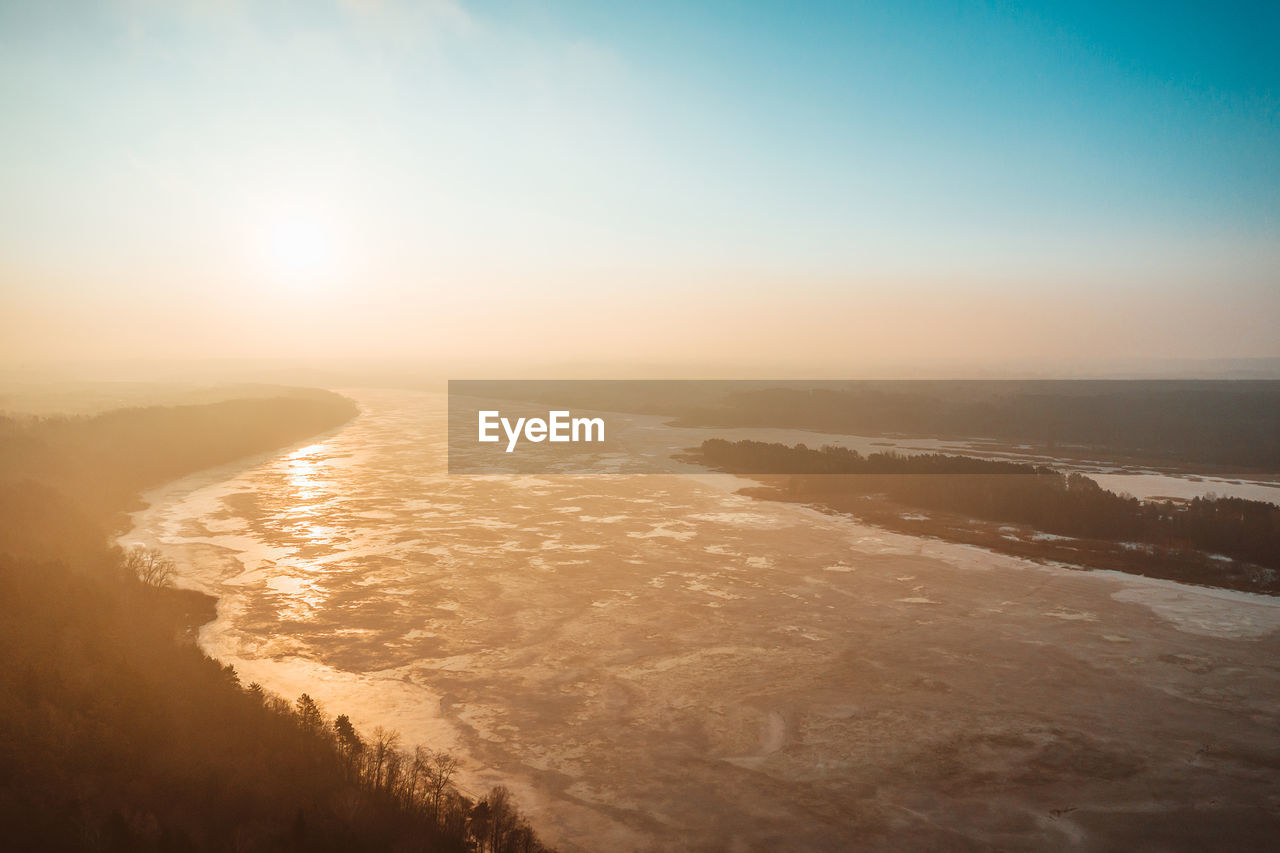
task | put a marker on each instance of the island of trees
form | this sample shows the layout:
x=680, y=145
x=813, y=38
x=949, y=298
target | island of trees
x=1225, y=542
x=117, y=732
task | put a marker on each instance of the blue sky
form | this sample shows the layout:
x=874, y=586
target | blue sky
x=603, y=159
x=1011, y=111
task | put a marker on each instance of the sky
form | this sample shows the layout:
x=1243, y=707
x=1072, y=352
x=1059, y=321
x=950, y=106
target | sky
x=806, y=187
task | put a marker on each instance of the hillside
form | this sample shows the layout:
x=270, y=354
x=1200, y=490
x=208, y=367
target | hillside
x=117, y=732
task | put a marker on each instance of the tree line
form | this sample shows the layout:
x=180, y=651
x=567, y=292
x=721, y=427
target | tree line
x=1219, y=423
x=103, y=461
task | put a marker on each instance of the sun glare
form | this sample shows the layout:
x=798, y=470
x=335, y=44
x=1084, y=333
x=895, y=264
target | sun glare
x=301, y=246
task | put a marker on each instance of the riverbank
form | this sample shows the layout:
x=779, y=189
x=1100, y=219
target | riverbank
x=120, y=732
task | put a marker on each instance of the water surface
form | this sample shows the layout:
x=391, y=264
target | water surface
x=655, y=662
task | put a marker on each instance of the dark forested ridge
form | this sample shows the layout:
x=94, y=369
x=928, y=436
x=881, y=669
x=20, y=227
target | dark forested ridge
x=117, y=732
x=1199, y=423
x=103, y=461
x=1227, y=542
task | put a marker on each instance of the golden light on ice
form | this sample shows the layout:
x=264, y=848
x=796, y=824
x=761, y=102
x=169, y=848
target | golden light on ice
x=303, y=471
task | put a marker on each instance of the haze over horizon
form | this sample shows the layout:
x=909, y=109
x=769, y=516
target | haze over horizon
x=945, y=513
x=556, y=184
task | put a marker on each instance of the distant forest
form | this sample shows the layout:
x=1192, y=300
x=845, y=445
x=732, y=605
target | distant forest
x=1215, y=423
x=1179, y=423
x=1228, y=542
x=117, y=733
x=103, y=461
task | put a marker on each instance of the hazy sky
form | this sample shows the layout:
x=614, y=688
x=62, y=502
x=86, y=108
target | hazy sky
x=758, y=183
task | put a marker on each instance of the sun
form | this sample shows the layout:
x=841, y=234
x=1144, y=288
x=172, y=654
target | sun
x=299, y=245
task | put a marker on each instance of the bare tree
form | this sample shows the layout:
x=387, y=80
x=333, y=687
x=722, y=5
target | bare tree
x=149, y=566
x=439, y=769
x=417, y=774
x=392, y=774
x=479, y=824
x=385, y=745
x=502, y=819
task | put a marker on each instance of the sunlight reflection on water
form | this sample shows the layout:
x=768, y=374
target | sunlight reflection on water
x=618, y=648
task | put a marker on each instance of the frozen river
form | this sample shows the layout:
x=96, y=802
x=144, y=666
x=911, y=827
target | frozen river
x=655, y=662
